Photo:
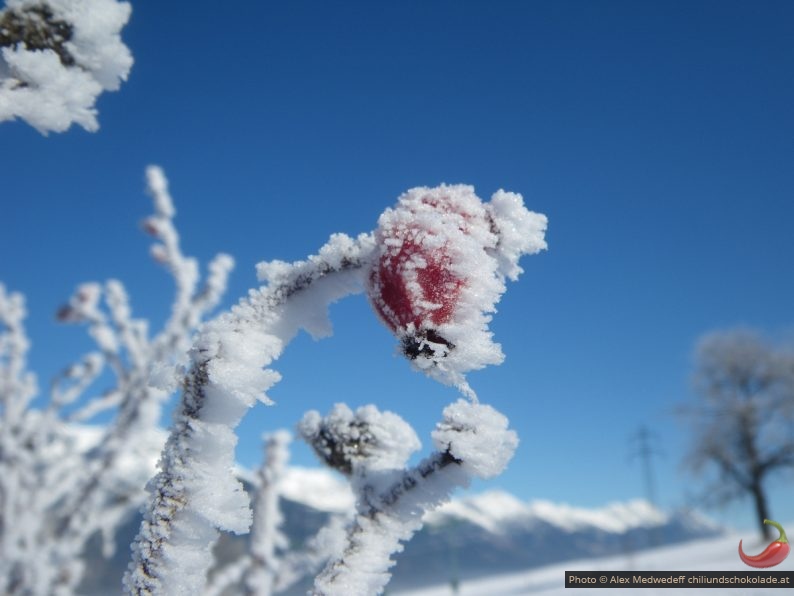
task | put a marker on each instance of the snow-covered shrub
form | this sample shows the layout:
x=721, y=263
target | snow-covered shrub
x=54, y=496
x=57, y=57
x=433, y=270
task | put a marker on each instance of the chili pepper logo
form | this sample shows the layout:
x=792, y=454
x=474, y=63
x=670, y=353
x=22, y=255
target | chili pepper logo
x=774, y=554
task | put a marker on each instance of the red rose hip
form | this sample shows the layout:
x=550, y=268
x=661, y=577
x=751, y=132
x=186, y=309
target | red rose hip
x=416, y=280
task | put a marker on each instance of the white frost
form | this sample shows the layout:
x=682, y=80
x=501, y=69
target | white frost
x=477, y=435
x=35, y=84
x=391, y=500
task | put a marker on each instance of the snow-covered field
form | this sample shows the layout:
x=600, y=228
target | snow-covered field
x=717, y=554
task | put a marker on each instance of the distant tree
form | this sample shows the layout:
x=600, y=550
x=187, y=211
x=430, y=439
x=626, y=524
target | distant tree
x=743, y=422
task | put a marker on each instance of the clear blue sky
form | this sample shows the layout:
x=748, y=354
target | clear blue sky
x=657, y=136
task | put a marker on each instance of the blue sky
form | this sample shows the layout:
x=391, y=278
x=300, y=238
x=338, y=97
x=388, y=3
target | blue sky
x=658, y=137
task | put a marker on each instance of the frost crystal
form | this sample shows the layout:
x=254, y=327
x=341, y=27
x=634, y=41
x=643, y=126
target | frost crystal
x=57, y=56
x=477, y=436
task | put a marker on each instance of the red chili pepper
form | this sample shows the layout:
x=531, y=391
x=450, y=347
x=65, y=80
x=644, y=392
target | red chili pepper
x=774, y=554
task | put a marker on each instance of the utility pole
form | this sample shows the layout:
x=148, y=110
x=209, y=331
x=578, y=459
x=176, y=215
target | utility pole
x=643, y=439
x=642, y=443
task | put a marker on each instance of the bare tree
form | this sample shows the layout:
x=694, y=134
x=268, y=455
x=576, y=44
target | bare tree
x=743, y=422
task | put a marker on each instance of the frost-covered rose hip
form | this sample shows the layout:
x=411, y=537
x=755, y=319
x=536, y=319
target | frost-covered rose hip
x=441, y=259
x=416, y=286
x=416, y=282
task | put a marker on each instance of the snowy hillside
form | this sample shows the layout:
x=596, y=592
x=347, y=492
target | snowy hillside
x=714, y=554
x=491, y=532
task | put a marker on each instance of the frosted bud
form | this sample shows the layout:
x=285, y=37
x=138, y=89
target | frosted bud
x=159, y=253
x=82, y=305
x=36, y=27
x=88, y=294
x=90, y=365
x=152, y=226
x=476, y=435
x=367, y=439
x=66, y=314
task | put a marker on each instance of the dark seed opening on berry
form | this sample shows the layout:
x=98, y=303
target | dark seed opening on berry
x=420, y=344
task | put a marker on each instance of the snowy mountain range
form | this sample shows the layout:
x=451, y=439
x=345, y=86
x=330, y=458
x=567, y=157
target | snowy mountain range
x=473, y=536
x=494, y=532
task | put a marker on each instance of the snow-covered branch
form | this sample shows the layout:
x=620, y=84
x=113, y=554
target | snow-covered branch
x=326, y=544
x=195, y=493
x=145, y=369
x=17, y=388
x=17, y=385
x=57, y=57
x=267, y=567
x=471, y=440
x=266, y=535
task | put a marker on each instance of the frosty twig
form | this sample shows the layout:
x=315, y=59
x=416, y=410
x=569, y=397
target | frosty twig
x=195, y=493
x=471, y=440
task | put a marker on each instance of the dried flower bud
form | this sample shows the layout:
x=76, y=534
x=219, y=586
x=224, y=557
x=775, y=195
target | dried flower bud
x=66, y=314
x=367, y=438
x=151, y=226
x=159, y=253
